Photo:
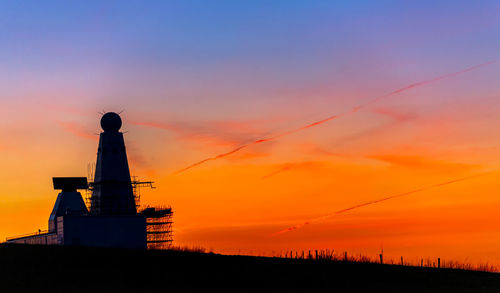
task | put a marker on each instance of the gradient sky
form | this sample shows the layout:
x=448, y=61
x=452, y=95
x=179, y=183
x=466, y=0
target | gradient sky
x=199, y=78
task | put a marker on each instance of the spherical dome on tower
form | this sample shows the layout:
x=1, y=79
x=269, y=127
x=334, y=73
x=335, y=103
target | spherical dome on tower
x=111, y=122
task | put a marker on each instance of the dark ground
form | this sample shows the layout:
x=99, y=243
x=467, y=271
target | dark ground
x=81, y=269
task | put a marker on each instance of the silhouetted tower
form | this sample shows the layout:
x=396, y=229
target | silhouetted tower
x=112, y=192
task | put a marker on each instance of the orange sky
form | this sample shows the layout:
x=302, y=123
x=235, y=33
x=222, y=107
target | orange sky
x=200, y=79
x=238, y=203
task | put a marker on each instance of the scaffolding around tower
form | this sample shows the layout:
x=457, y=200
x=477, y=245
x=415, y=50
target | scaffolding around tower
x=158, y=227
x=159, y=222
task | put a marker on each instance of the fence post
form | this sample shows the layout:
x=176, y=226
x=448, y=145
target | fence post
x=402, y=260
x=439, y=262
x=345, y=256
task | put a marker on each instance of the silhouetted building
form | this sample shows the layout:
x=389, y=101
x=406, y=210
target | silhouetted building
x=112, y=219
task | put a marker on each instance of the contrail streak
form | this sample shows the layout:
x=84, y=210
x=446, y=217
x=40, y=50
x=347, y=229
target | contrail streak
x=318, y=219
x=276, y=172
x=352, y=111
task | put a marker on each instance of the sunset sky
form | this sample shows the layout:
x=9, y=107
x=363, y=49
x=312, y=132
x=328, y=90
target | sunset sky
x=196, y=79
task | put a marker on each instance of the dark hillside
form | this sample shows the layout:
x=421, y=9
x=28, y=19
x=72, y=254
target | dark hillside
x=81, y=269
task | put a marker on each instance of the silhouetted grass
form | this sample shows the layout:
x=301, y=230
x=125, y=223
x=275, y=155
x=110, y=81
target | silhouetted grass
x=196, y=249
x=332, y=255
x=85, y=269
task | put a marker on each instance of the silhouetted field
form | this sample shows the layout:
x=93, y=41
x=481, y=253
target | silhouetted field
x=83, y=269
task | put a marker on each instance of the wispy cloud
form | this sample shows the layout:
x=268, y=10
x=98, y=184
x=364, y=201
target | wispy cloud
x=137, y=158
x=77, y=130
x=251, y=155
x=423, y=163
x=397, y=115
x=334, y=117
x=397, y=118
x=302, y=166
x=213, y=133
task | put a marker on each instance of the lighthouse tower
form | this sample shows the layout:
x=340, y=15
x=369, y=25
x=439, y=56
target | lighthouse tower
x=112, y=188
